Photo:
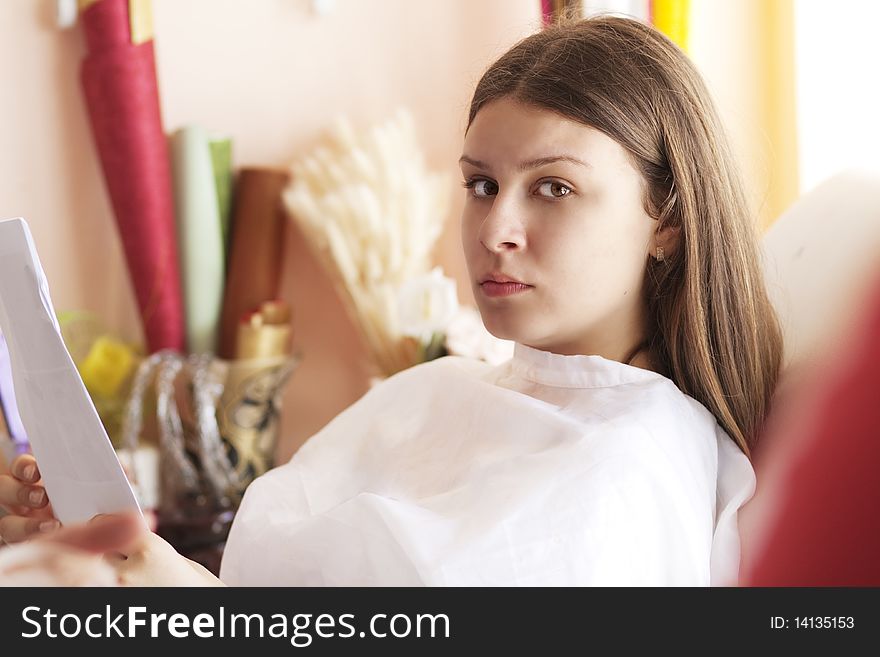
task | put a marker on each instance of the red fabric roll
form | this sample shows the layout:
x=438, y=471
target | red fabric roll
x=827, y=531
x=122, y=97
x=106, y=25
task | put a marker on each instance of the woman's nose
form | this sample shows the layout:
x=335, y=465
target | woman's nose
x=501, y=231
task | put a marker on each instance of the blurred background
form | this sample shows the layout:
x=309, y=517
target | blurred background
x=272, y=81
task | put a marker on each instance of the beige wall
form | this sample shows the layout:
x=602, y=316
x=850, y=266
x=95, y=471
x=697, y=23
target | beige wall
x=271, y=75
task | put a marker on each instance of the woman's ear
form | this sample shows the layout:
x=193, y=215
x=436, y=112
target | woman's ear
x=666, y=238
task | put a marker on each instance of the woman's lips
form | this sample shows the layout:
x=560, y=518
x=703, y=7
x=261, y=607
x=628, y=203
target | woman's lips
x=493, y=289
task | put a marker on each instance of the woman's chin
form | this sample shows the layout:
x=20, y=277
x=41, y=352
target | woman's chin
x=503, y=330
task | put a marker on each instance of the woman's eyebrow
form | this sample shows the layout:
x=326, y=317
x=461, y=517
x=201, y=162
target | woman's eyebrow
x=528, y=164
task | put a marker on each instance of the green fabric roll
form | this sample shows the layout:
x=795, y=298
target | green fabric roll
x=221, y=157
x=199, y=236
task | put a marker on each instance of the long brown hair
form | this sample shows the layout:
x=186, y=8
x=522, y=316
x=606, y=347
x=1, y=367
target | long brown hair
x=711, y=326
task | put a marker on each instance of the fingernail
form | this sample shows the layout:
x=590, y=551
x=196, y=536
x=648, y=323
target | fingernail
x=29, y=472
x=36, y=496
x=48, y=525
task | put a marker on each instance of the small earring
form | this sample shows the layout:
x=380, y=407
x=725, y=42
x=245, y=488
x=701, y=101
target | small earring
x=660, y=255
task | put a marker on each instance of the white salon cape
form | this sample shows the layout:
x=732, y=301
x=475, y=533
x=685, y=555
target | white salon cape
x=545, y=470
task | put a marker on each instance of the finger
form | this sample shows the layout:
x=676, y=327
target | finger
x=13, y=492
x=14, y=529
x=45, y=513
x=24, y=468
x=9, y=489
x=106, y=533
x=19, y=510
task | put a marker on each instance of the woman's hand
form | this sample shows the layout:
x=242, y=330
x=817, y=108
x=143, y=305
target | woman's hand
x=145, y=561
x=153, y=562
x=24, y=497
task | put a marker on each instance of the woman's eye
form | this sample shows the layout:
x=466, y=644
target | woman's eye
x=482, y=188
x=554, y=189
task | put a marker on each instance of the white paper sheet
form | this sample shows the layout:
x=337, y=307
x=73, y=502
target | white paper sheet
x=80, y=469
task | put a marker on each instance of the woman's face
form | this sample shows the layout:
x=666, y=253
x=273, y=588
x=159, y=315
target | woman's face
x=557, y=206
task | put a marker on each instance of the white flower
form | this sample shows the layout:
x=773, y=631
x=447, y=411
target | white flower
x=467, y=336
x=427, y=304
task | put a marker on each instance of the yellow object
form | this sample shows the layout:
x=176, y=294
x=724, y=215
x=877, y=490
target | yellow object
x=249, y=407
x=774, y=39
x=746, y=51
x=672, y=17
x=140, y=18
x=265, y=333
x=107, y=366
x=275, y=312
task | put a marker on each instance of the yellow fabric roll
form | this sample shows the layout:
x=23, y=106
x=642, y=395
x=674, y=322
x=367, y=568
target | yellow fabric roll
x=672, y=17
x=776, y=76
x=140, y=19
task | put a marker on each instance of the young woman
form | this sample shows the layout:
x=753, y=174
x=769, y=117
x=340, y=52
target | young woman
x=606, y=233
